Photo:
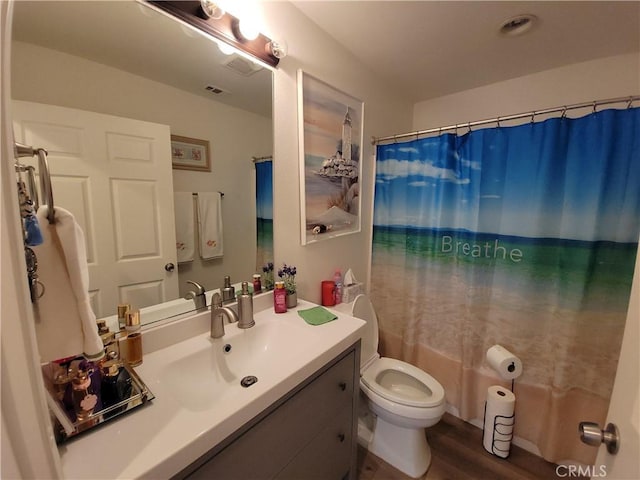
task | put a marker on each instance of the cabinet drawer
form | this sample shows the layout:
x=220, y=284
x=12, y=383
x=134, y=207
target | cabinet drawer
x=327, y=456
x=261, y=452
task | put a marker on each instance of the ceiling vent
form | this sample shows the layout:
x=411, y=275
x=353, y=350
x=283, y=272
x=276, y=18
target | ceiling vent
x=242, y=67
x=214, y=90
x=518, y=25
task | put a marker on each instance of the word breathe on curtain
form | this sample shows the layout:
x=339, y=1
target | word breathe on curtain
x=524, y=236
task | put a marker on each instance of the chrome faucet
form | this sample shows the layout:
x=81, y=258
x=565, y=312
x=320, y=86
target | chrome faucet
x=218, y=312
x=198, y=297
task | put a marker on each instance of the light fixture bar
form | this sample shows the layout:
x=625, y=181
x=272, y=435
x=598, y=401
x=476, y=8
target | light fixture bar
x=223, y=28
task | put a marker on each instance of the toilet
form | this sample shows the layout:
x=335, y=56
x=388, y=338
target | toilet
x=400, y=400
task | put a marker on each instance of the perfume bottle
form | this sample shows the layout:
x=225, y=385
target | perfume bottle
x=123, y=309
x=133, y=342
x=116, y=386
x=257, y=284
x=84, y=397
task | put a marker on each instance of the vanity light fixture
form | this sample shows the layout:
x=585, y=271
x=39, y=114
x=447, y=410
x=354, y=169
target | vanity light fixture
x=518, y=25
x=208, y=17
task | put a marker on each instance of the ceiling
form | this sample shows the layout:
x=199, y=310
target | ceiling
x=424, y=49
x=428, y=49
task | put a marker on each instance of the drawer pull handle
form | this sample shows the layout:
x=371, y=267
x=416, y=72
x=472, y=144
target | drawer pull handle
x=341, y=437
x=343, y=386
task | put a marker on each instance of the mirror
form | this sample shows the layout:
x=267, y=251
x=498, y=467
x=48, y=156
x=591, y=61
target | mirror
x=129, y=62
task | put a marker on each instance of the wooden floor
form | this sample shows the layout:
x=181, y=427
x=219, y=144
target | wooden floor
x=457, y=454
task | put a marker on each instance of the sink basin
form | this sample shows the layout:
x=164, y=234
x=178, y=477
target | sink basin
x=213, y=371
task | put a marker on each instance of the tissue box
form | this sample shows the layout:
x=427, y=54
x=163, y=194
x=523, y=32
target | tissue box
x=350, y=292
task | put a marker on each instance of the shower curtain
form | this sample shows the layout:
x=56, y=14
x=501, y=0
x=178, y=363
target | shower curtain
x=522, y=236
x=264, y=213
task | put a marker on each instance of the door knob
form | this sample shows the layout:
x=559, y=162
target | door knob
x=592, y=434
x=169, y=267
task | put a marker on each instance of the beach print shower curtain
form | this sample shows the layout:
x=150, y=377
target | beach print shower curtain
x=264, y=213
x=521, y=236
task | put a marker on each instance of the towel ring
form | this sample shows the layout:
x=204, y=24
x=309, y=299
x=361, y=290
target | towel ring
x=22, y=150
x=45, y=184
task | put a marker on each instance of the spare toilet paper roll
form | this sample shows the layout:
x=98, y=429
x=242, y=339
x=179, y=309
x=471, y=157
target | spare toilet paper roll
x=504, y=362
x=498, y=421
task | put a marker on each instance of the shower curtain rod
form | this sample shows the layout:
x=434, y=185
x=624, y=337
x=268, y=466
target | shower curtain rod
x=564, y=109
x=261, y=159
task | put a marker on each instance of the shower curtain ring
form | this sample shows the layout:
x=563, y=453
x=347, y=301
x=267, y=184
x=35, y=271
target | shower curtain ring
x=594, y=106
x=629, y=102
x=469, y=127
x=564, y=113
x=498, y=122
x=533, y=117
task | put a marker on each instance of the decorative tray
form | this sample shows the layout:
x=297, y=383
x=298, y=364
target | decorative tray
x=68, y=417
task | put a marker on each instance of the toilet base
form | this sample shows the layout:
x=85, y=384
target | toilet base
x=404, y=448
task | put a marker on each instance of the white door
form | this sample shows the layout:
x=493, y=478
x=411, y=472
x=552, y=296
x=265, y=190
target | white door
x=114, y=175
x=624, y=409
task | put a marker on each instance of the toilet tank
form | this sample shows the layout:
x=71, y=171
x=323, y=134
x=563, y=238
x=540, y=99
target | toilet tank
x=362, y=308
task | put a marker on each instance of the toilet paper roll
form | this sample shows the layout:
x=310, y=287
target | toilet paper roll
x=504, y=362
x=499, y=420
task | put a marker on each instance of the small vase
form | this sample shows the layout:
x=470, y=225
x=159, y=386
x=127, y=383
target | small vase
x=292, y=299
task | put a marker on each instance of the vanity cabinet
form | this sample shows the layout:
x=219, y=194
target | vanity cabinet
x=310, y=433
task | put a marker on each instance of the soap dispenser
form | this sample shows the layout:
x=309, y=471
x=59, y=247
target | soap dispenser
x=228, y=291
x=245, y=308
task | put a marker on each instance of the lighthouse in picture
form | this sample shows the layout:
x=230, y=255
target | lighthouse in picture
x=346, y=136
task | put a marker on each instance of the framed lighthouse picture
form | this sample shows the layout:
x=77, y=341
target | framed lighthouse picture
x=330, y=129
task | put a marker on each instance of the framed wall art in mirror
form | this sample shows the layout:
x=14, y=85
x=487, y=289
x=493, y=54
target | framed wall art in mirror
x=330, y=130
x=190, y=154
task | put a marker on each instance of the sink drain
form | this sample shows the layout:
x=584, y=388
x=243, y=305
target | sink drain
x=249, y=380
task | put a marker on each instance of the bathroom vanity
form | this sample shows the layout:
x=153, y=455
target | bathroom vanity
x=297, y=419
x=307, y=434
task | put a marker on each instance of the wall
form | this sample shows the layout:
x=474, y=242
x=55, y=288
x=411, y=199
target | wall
x=603, y=78
x=95, y=87
x=311, y=50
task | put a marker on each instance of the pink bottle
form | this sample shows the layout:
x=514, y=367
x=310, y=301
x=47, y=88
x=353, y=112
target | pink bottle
x=279, y=298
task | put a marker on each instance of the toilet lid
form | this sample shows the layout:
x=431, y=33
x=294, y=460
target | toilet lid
x=403, y=383
x=363, y=309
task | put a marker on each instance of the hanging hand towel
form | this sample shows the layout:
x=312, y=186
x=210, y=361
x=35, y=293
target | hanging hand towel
x=210, y=224
x=65, y=322
x=185, y=227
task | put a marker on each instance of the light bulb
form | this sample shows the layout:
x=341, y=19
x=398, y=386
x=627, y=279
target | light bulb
x=211, y=9
x=249, y=29
x=276, y=48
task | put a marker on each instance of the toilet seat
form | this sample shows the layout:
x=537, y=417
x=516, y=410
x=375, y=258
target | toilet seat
x=403, y=383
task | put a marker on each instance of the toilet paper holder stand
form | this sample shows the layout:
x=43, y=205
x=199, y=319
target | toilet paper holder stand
x=500, y=422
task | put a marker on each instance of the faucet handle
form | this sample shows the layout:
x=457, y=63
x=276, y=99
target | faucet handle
x=216, y=300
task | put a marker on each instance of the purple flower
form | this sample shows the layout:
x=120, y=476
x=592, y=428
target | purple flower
x=288, y=274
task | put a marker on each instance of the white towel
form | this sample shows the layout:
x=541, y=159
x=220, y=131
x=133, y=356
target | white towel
x=210, y=224
x=65, y=323
x=185, y=227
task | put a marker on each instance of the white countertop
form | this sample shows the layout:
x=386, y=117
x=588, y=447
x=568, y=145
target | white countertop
x=166, y=435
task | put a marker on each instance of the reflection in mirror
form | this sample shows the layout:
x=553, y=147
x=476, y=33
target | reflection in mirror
x=102, y=86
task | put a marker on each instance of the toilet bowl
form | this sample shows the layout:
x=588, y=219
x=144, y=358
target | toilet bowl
x=403, y=399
